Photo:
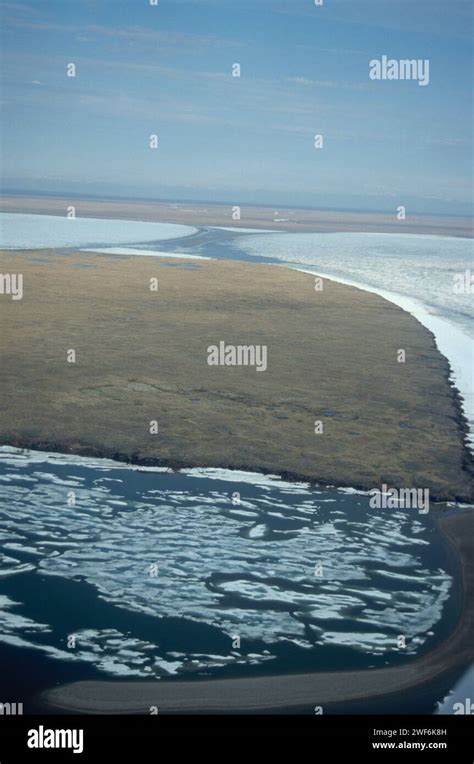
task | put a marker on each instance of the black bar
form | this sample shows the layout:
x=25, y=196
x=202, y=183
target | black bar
x=134, y=736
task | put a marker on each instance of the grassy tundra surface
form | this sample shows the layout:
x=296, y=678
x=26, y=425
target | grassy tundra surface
x=141, y=355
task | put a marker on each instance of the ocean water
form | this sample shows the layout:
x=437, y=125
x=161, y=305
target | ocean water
x=225, y=569
x=155, y=573
x=18, y=231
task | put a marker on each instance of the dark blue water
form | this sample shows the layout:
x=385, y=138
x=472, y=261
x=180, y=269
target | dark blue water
x=155, y=574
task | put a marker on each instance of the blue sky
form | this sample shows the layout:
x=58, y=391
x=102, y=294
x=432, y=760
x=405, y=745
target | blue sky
x=167, y=70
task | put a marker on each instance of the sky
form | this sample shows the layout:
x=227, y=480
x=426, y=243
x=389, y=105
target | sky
x=166, y=70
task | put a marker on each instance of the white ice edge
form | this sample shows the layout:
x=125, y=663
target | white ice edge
x=142, y=253
x=243, y=230
x=16, y=455
x=213, y=473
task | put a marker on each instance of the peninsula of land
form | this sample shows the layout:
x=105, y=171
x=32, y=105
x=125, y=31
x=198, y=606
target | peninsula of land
x=109, y=356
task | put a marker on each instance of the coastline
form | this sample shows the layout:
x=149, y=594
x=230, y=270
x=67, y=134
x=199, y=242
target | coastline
x=292, y=691
x=450, y=339
x=207, y=407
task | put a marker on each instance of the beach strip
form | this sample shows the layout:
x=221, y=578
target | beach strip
x=287, y=692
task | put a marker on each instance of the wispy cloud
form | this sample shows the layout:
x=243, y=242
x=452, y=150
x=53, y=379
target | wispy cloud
x=131, y=34
x=343, y=84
